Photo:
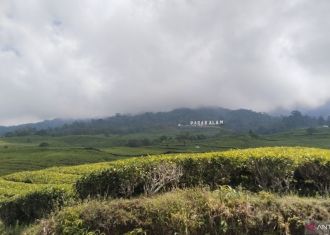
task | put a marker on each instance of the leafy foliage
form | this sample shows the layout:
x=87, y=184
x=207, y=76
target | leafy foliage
x=33, y=204
x=193, y=211
x=302, y=170
x=25, y=196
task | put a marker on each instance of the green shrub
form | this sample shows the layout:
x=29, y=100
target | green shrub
x=269, y=173
x=276, y=169
x=43, y=145
x=42, y=177
x=313, y=177
x=13, y=229
x=28, y=195
x=193, y=211
x=302, y=170
x=33, y=205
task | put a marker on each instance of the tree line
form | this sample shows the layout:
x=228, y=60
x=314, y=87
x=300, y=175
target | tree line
x=238, y=121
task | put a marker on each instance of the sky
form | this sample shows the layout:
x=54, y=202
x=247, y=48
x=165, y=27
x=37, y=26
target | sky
x=95, y=58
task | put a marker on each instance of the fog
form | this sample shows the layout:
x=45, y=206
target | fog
x=95, y=58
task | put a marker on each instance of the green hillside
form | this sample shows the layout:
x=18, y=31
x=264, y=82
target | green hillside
x=26, y=196
x=23, y=153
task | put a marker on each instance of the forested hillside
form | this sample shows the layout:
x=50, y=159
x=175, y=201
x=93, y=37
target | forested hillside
x=241, y=120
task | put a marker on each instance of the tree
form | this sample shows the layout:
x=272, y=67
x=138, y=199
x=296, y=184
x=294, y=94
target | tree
x=253, y=135
x=310, y=131
x=328, y=121
x=297, y=120
x=183, y=137
x=133, y=143
x=43, y=145
x=145, y=142
x=321, y=121
x=163, y=138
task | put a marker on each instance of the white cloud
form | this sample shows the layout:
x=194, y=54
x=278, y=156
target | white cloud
x=84, y=58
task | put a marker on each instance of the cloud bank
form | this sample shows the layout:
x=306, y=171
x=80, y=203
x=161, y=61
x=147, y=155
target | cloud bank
x=89, y=58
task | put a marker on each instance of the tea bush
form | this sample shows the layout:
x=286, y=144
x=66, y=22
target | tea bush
x=279, y=169
x=56, y=175
x=42, y=177
x=26, y=196
x=191, y=211
x=35, y=204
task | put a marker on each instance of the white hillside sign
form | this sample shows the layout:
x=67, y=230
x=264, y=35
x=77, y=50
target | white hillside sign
x=203, y=123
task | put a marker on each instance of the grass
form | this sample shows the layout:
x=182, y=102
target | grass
x=15, y=159
x=135, y=151
x=26, y=168
x=22, y=153
x=189, y=211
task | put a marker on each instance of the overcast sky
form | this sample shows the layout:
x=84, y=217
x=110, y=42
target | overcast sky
x=94, y=58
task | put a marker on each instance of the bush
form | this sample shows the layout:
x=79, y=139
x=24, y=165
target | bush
x=43, y=145
x=283, y=170
x=17, y=188
x=42, y=177
x=279, y=170
x=53, y=175
x=194, y=211
x=313, y=177
x=269, y=173
x=25, y=196
x=26, y=208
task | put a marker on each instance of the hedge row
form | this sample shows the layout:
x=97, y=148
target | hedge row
x=56, y=175
x=302, y=170
x=193, y=211
x=32, y=205
x=42, y=177
x=26, y=196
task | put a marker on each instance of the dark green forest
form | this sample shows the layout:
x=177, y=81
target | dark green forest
x=237, y=121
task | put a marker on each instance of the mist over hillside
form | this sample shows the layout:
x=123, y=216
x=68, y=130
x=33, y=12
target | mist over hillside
x=43, y=125
x=240, y=121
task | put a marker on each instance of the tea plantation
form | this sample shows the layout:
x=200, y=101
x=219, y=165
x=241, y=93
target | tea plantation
x=27, y=196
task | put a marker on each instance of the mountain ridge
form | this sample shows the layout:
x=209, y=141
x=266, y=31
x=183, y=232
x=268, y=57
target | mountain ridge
x=239, y=120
